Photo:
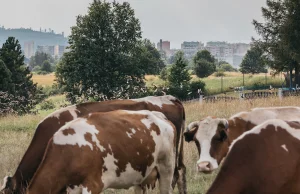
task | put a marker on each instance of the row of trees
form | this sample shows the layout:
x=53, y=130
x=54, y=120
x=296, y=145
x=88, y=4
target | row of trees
x=42, y=63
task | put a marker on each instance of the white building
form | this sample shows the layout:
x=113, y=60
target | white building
x=191, y=48
x=29, y=49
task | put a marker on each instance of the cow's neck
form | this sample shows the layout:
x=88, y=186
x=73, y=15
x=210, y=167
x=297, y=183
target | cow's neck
x=238, y=126
x=226, y=184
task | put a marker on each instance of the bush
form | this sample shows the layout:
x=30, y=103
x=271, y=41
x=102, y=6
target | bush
x=227, y=67
x=52, y=90
x=47, y=105
x=42, y=72
x=164, y=74
x=181, y=92
x=194, y=86
x=36, y=69
x=219, y=73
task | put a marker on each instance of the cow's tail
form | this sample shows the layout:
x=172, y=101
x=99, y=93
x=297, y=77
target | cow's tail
x=180, y=169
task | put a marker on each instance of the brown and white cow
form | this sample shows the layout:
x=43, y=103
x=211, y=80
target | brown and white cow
x=264, y=160
x=117, y=149
x=213, y=136
x=168, y=105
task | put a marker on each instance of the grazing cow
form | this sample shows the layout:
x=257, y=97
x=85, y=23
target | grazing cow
x=213, y=136
x=117, y=149
x=168, y=105
x=264, y=160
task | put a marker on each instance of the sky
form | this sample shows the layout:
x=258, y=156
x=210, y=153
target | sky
x=172, y=20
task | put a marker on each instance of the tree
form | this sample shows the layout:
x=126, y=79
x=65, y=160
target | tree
x=46, y=66
x=5, y=74
x=39, y=58
x=102, y=62
x=150, y=58
x=164, y=74
x=179, y=74
x=280, y=37
x=254, y=61
x=204, y=64
x=22, y=85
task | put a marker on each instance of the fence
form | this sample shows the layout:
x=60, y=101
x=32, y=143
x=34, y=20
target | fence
x=251, y=95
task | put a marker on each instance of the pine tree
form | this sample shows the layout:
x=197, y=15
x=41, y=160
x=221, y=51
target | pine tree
x=22, y=86
x=179, y=74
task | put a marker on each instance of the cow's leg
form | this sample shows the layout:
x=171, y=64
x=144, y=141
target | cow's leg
x=91, y=188
x=166, y=172
x=180, y=171
x=181, y=182
x=140, y=190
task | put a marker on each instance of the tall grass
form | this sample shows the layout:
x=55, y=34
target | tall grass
x=16, y=133
x=44, y=80
x=231, y=79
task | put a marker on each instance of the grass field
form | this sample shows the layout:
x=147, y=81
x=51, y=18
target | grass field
x=44, y=80
x=16, y=133
x=213, y=84
x=232, y=79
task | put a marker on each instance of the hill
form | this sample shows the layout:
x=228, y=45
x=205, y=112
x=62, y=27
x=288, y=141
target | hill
x=39, y=37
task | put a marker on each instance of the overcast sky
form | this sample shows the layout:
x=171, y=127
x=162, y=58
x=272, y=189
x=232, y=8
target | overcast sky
x=173, y=20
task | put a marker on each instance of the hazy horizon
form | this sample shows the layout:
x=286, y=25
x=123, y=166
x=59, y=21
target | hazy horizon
x=172, y=20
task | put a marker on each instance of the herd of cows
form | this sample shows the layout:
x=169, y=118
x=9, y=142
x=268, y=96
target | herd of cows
x=119, y=144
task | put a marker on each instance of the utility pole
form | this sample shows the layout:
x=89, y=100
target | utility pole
x=221, y=84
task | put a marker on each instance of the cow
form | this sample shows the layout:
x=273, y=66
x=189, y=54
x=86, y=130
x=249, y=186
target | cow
x=117, y=149
x=264, y=160
x=168, y=105
x=213, y=136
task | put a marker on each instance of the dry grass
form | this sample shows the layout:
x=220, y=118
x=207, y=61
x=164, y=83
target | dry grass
x=16, y=133
x=44, y=80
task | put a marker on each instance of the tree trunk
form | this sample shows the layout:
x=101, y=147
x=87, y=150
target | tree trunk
x=297, y=76
x=291, y=75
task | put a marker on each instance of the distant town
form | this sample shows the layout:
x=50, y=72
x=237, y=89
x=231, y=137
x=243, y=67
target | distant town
x=232, y=53
x=55, y=45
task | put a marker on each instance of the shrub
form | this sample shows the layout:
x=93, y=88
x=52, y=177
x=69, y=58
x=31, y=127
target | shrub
x=52, y=90
x=36, y=69
x=195, y=86
x=219, y=73
x=47, y=105
x=180, y=92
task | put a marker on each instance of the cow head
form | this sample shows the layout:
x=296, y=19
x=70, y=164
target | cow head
x=210, y=136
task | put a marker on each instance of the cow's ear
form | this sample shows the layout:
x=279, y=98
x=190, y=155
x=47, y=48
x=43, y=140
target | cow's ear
x=224, y=125
x=191, y=130
x=223, y=129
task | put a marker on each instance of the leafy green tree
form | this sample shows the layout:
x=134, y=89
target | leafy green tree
x=254, y=61
x=5, y=74
x=39, y=58
x=46, y=66
x=102, y=62
x=179, y=74
x=280, y=35
x=22, y=85
x=164, y=74
x=150, y=58
x=204, y=64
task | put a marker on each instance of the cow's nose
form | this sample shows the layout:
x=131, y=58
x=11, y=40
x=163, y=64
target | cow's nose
x=204, y=167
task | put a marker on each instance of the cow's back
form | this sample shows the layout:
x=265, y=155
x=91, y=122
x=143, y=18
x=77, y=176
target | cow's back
x=121, y=147
x=169, y=105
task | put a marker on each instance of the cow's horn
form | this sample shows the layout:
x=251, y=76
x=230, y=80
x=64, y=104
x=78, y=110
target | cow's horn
x=192, y=125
